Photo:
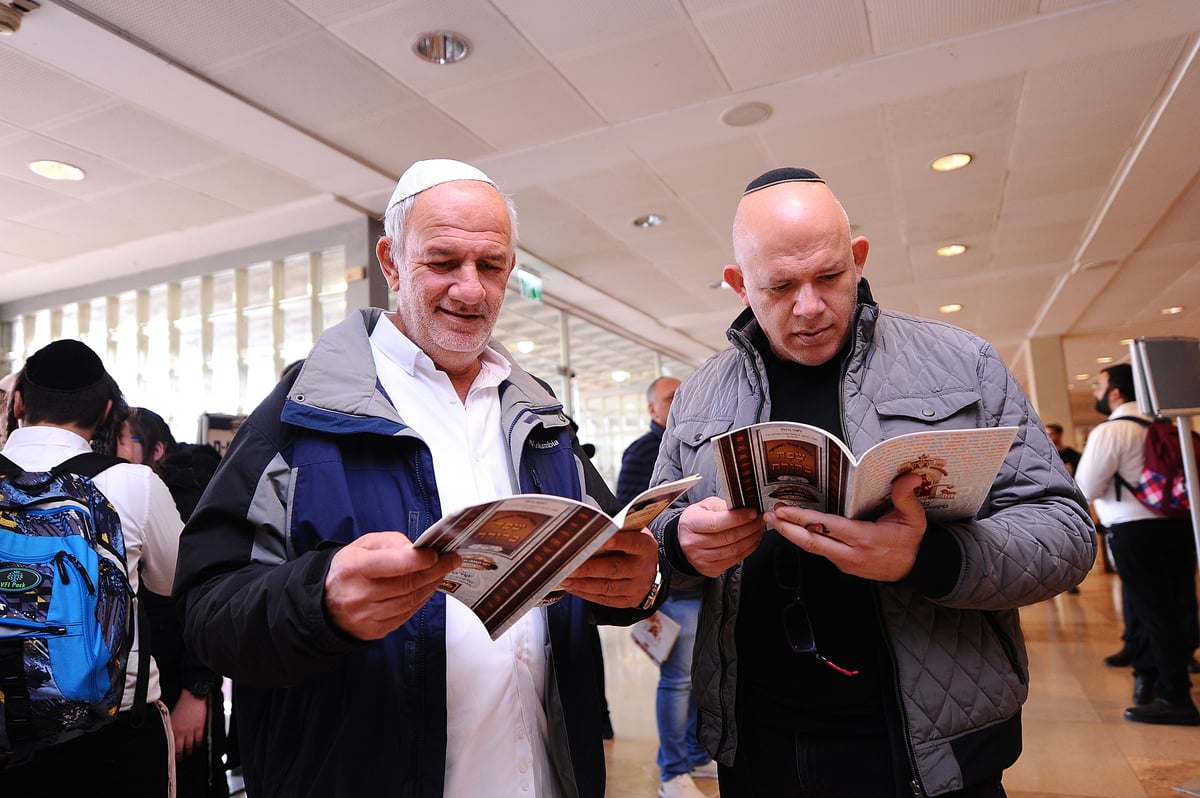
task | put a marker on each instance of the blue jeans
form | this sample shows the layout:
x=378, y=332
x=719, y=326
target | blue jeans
x=678, y=749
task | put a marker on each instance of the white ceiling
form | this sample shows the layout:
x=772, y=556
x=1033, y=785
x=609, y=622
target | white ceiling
x=207, y=126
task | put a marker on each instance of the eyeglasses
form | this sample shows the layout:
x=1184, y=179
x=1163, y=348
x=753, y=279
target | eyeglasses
x=797, y=627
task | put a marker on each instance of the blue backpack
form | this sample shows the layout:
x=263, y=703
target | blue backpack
x=66, y=623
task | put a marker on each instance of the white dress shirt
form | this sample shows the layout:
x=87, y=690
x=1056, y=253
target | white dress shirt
x=495, y=719
x=150, y=522
x=1114, y=447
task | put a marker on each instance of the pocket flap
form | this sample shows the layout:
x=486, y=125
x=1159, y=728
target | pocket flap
x=928, y=409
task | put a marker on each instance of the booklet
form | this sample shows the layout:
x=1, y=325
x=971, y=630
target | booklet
x=516, y=550
x=798, y=464
x=656, y=636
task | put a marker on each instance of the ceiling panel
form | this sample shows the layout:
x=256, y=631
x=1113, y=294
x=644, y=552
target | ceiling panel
x=557, y=29
x=756, y=44
x=316, y=81
x=203, y=35
x=559, y=112
x=1094, y=82
x=137, y=139
x=33, y=94
x=645, y=74
x=396, y=137
x=245, y=183
x=903, y=24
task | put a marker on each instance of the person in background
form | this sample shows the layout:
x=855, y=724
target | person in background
x=681, y=758
x=1155, y=557
x=1069, y=456
x=879, y=657
x=189, y=689
x=6, y=386
x=353, y=674
x=60, y=400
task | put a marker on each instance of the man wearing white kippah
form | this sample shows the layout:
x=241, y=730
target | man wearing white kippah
x=354, y=676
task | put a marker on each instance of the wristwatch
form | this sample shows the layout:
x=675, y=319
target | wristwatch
x=656, y=586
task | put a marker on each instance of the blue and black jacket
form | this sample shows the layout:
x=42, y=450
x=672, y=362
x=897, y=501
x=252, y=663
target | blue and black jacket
x=324, y=459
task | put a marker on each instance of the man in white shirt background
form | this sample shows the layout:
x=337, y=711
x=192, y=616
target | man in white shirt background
x=1155, y=557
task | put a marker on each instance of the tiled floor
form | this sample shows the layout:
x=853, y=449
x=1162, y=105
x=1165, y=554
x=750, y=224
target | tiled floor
x=1077, y=744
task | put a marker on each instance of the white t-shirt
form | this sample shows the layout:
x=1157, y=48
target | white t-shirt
x=495, y=719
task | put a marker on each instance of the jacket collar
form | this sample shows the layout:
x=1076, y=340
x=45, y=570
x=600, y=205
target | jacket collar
x=337, y=390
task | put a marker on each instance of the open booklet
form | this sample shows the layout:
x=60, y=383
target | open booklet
x=797, y=464
x=516, y=550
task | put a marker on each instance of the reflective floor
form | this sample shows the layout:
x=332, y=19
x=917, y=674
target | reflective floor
x=1077, y=744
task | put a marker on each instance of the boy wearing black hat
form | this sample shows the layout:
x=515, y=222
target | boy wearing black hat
x=60, y=399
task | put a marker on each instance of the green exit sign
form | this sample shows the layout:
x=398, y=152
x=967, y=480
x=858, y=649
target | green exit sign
x=530, y=284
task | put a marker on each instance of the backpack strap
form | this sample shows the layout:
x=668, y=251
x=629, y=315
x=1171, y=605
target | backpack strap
x=1117, y=478
x=87, y=464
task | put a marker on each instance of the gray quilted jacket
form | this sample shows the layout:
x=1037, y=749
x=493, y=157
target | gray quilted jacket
x=952, y=625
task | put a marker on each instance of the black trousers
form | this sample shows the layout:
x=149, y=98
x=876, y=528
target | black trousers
x=775, y=763
x=1156, y=560
x=126, y=758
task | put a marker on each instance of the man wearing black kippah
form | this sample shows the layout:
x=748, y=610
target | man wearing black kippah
x=61, y=397
x=853, y=657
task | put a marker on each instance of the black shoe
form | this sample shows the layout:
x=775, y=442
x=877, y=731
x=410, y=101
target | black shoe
x=1121, y=659
x=1143, y=690
x=1162, y=711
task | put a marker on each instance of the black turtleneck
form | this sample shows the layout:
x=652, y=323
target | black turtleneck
x=778, y=687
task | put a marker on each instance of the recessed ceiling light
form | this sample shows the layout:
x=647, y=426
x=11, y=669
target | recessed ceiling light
x=1103, y=360
x=948, y=163
x=56, y=170
x=525, y=347
x=953, y=307
x=747, y=114
x=649, y=220
x=950, y=250
x=620, y=375
x=1171, y=311
x=1082, y=377
x=442, y=46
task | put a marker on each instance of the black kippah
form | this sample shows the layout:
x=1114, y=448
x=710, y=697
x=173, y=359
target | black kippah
x=65, y=365
x=784, y=174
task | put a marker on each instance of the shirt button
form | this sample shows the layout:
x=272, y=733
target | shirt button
x=927, y=412
x=524, y=767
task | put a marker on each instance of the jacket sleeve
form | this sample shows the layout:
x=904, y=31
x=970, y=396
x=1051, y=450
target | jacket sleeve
x=1032, y=539
x=251, y=611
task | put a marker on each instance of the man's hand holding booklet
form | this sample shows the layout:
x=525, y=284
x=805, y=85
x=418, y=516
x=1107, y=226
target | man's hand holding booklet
x=516, y=550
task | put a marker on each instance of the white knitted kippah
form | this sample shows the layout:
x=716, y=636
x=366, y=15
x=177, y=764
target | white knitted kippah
x=427, y=174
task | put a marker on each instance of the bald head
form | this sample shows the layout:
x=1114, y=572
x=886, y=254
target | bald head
x=797, y=268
